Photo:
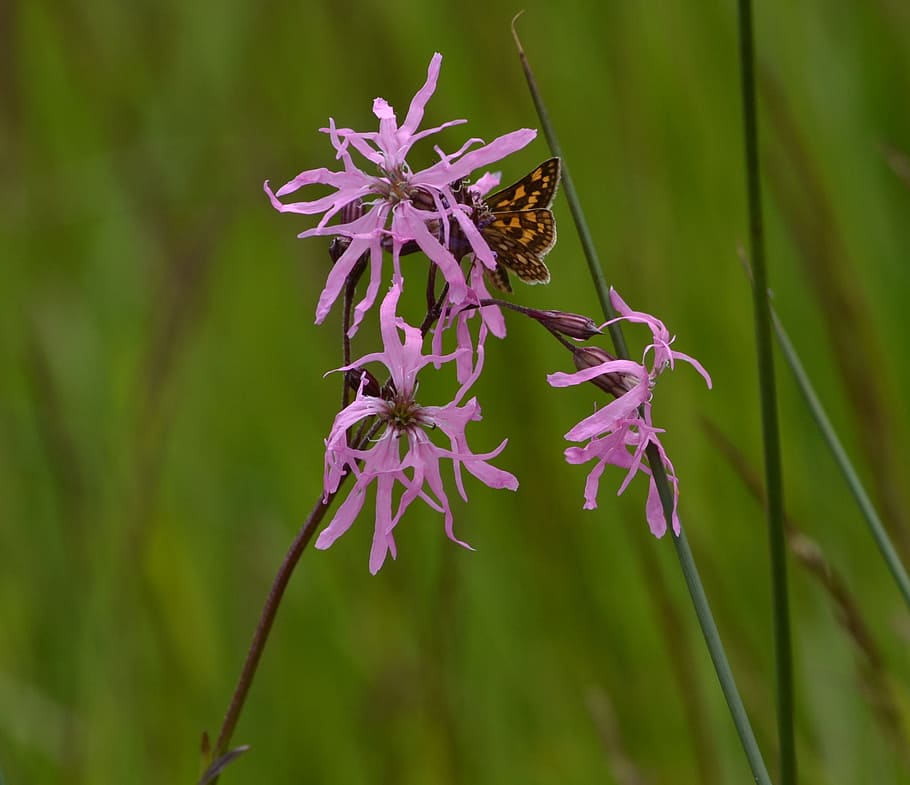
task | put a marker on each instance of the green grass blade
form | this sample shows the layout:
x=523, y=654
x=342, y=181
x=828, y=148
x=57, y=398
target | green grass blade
x=684, y=554
x=876, y=527
x=770, y=425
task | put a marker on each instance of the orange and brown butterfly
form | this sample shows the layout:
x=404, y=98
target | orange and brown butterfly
x=518, y=225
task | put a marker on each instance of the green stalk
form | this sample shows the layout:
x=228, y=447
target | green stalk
x=713, y=640
x=684, y=554
x=876, y=527
x=581, y=225
x=770, y=427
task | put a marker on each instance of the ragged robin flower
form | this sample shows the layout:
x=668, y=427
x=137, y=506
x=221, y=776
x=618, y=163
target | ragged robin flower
x=619, y=433
x=400, y=449
x=394, y=205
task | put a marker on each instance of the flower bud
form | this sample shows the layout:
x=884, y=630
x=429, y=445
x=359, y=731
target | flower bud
x=371, y=387
x=573, y=325
x=613, y=383
x=352, y=211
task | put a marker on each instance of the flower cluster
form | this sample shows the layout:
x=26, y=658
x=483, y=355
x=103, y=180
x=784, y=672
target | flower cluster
x=396, y=206
x=402, y=451
x=384, y=438
x=620, y=432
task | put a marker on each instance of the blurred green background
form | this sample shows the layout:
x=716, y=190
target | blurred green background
x=162, y=403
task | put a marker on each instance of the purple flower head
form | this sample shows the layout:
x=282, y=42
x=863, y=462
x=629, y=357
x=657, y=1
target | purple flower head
x=620, y=432
x=395, y=205
x=401, y=449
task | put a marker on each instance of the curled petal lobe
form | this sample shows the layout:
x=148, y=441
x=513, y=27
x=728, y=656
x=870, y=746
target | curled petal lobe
x=422, y=96
x=382, y=110
x=487, y=182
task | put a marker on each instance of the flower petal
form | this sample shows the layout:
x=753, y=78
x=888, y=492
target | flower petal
x=343, y=517
x=446, y=172
x=609, y=416
x=383, y=540
x=422, y=96
x=625, y=367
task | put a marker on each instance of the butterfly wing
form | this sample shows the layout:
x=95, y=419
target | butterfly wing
x=534, y=230
x=498, y=278
x=520, y=240
x=519, y=227
x=534, y=190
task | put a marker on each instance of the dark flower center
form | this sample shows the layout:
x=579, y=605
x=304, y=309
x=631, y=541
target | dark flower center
x=403, y=413
x=394, y=184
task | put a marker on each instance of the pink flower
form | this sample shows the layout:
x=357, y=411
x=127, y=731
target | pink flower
x=398, y=205
x=620, y=432
x=490, y=317
x=458, y=313
x=413, y=461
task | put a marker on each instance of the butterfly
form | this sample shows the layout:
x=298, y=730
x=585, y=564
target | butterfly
x=518, y=225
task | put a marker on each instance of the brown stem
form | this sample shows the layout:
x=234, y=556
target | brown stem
x=433, y=311
x=264, y=627
x=267, y=618
x=286, y=570
x=503, y=304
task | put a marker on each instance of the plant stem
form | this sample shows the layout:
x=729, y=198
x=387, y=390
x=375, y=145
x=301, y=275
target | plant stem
x=686, y=560
x=879, y=533
x=270, y=610
x=770, y=427
x=578, y=216
x=264, y=627
x=708, y=626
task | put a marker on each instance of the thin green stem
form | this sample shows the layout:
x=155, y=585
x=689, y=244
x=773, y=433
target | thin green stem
x=770, y=427
x=684, y=554
x=578, y=215
x=879, y=533
x=709, y=627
